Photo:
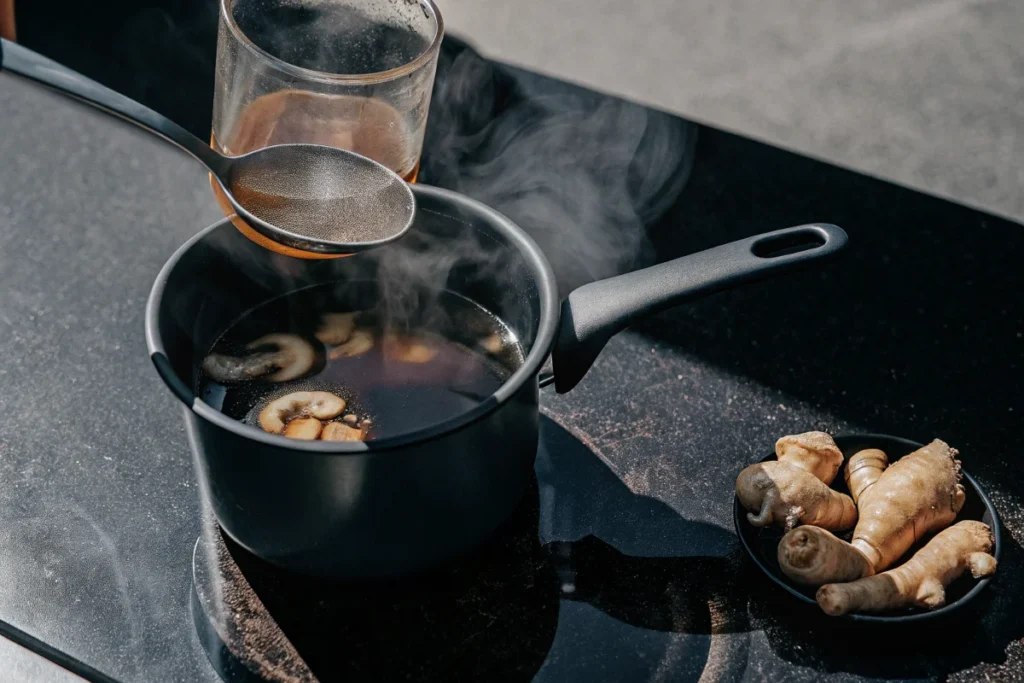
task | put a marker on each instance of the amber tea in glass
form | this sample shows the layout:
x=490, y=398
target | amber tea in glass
x=355, y=74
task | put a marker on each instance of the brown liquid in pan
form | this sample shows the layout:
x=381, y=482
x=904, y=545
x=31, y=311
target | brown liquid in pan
x=417, y=374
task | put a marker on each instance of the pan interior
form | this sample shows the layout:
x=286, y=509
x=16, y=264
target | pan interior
x=456, y=250
x=399, y=368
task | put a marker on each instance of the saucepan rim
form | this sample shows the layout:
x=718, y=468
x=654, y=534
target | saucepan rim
x=538, y=353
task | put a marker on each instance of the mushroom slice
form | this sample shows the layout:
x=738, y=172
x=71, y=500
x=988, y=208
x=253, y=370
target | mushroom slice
x=359, y=343
x=305, y=428
x=493, y=343
x=336, y=328
x=294, y=356
x=227, y=369
x=322, y=405
x=408, y=349
x=337, y=431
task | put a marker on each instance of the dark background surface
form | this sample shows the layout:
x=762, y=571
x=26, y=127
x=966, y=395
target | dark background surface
x=917, y=331
x=922, y=92
x=159, y=53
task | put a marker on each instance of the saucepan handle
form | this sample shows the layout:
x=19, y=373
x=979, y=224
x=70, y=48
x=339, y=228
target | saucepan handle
x=594, y=313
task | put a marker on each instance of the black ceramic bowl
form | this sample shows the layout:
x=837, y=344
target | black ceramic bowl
x=762, y=544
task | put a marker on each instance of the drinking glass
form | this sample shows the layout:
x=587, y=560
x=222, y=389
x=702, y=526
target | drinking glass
x=355, y=74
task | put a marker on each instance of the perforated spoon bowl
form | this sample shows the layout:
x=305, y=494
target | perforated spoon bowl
x=313, y=198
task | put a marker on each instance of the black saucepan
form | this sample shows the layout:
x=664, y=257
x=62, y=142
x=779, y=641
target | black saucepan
x=397, y=505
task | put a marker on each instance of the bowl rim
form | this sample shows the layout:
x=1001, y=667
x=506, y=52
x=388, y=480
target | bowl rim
x=740, y=523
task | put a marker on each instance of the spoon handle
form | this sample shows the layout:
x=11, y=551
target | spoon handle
x=32, y=65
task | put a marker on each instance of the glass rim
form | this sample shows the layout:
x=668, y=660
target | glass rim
x=326, y=76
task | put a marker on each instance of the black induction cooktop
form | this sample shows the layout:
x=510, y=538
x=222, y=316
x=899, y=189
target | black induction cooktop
x=491, y=614
x=621, y=565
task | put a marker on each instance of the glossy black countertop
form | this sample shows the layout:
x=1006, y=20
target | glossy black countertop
x=624, y=565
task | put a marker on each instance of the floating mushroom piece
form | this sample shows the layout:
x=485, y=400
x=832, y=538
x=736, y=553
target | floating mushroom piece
x=305, y=428
x=492, y=343
x=291, y=358
x=336, y=328
x=359, y=343
x=339, y=431
x=322, y=405
x=229, y=369
x=296, y=356
x=408, y=348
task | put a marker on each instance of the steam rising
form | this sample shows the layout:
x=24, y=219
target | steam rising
x=411, y=276
x=583, y=174
x=580, y=172
x=339, y=36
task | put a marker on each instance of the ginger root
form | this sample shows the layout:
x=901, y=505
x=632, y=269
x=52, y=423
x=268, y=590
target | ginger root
x=923, y=579
x=794, y=489
x=787, y=496
x=916, y=496
x=808, y=553
x=864, y=469
x=815, y=452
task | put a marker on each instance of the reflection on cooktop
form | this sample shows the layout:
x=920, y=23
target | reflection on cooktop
x=586, y=581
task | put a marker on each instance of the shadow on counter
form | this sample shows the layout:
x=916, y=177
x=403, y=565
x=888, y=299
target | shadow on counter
x=981, y=635
x=915, y=331
x=493, y=613
x=677, y=575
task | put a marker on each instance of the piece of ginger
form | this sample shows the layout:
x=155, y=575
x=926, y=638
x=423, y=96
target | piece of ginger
x=864, y=469
x=815, y=452
x=923, y=579
x=916, y=496
x=786, y=496
x=794, y=489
